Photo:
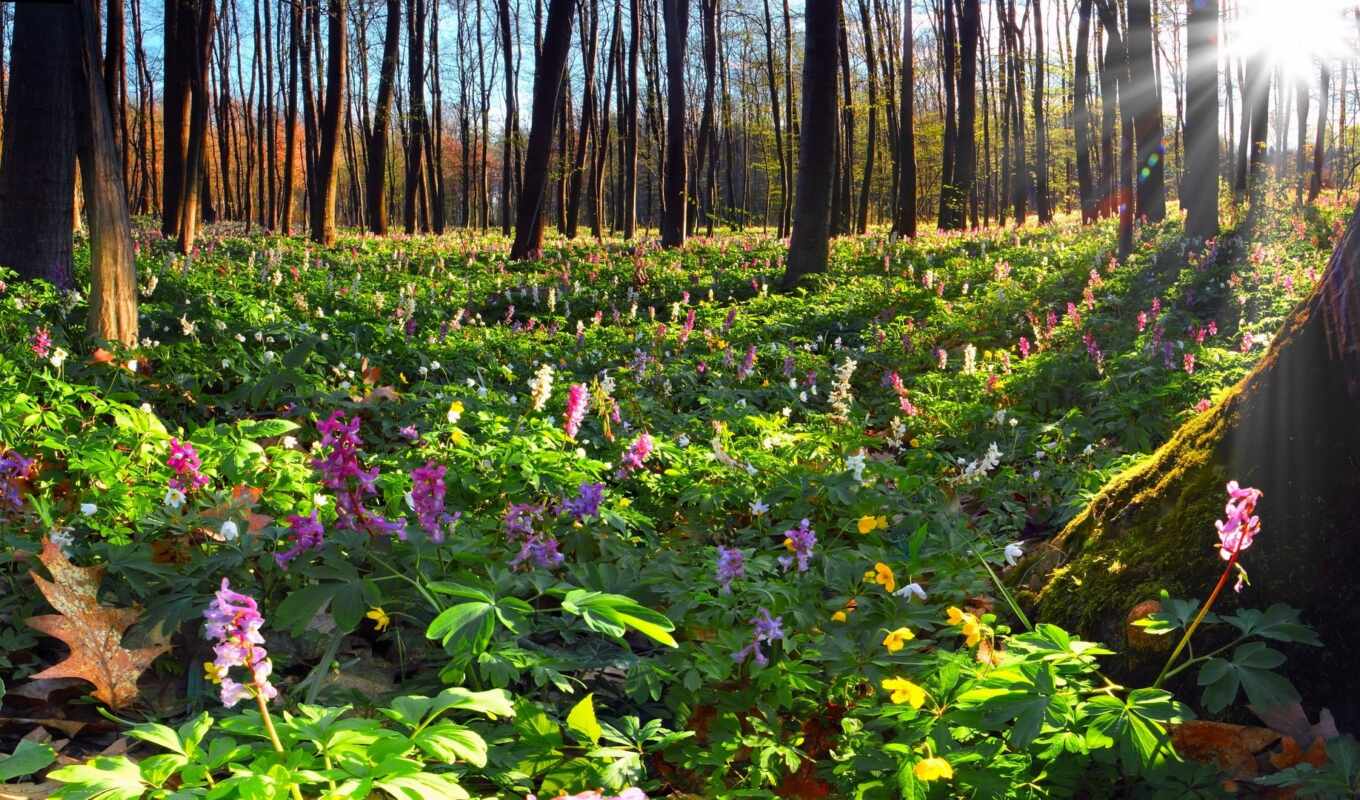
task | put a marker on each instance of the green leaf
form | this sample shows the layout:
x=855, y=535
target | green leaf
x=421, y=786
x=1279, y=622
x=29, y=757
x=299, y=608
x=492, y=702
x=158, y=734
x=612, y=614
x=104, y=778
x=265, y=428
x=581, y=719
x=467, y=625
x=450, y=742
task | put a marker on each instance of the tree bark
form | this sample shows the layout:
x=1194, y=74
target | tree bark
x=415, y=137
x=951, y=195
x=529, y=219
x=904, y=223
x=1200, y=186
x=871, y=70
x=375, y=183
x=965, y=153
x=1145, y=98
x=1320, y=144
x=675, y=15
x=323, y=209
x=1081, y=115
x=1042, y=204
x=809, y=241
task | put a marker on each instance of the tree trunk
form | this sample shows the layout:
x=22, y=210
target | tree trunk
x=1320, y=144
x=323, y=209
x=809, y=241
x=113, y=277
x=675, y=15
x=1042, y=205
x=590, y=18
x=904, y=223
x=194, y=26
x=1145, y=99
x=1258, y=87
x=785, y=184
x=529, y=219
x=701, y=198
x=290, y=114
x=1108, y=90
x=1289, y=429
x=965, y=154
x=37, y=164
x=871, y=71
x=1200, y=186
x=1081, y=115
x=951, y=195
x=1301, y=102
x=375, y=183
x=415, y=137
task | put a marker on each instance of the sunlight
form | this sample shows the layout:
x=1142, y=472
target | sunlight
x=1293, y=33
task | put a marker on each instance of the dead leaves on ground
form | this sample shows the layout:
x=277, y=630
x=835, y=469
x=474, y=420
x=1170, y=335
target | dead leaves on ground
x=94, y=633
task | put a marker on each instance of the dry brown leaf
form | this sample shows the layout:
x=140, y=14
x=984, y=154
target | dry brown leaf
x=1232, y=748
x=94, y=633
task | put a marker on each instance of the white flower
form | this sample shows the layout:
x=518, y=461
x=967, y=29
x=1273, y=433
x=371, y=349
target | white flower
x=174, y=498
x=855, y=465
x=410, y=500
x=435, y=365
x=912, y=589
x=1013, y=553
x=146, y=408
x=186, y=326
x=683, y=441
x=758, y=507
x=320, y=500
x=62, y=538
x=88, y=509
x=289, y=442
x=229, y=531
x=132, y=364
x=240, y=338
x=58, y=357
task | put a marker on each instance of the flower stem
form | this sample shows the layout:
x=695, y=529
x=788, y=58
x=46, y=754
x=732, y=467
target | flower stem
x=273, y=736
x=1203, y=612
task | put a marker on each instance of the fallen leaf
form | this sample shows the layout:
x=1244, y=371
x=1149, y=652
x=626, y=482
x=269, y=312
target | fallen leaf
x=1291, y=720
x=101, y=356
x=1232, y=748
x=381, y=393
x=241, y=506
x=94, y=633
x=1292, y=755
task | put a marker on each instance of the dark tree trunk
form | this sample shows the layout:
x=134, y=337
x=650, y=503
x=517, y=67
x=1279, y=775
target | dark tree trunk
x=871, y=71
x=290, y=114
x=1320, y=144
x=785, y=184
x=415, y=137
x=951, y=195
x=809, y=241
x=1109, y=71
x=174, y=110
x=590, y=18
x=195, y=27
x=529, y=219
x=1042, y=206
x=630, y=150
x=675, y=15
x=508, y=166
x=37, y=163
x=113, y=277
x=965, y=153
x=1258, y=88
x=1081, y=115
x=375, y=184
x=1145, y=100
x=1200, y=186
x=115, y=81
x=701, y=199
x=904, y=223
x=323, y=209
x=1301, y=102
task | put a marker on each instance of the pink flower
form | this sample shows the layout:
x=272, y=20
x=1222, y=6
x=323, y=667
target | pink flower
x=636, y=454
x=233, y=620
x=1024, y=348
x=576, y=409
x=1189, y=362
x=41, y=342
x=1240, y=526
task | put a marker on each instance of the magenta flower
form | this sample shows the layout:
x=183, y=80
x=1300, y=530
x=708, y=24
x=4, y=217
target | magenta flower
x=343, y=473
x=731, y=566
x=186, y=464
x=307, y=533
x=576, y=409
x=1189, y=362
x=427, y=499
x=747, y=364
x=1239, y=527
x=233, y=620
x=14, y=468
x=636, y=454
x=1024, y=348
x=41, y=342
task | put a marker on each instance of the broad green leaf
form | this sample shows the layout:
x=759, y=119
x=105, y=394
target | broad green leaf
x=581, y=719
x=28, y=757
x=468, y=625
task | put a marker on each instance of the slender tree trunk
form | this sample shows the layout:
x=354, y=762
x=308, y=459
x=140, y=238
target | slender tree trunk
x=290, y=118
x=1081, y=114
x=871, y=71
x=529, y=219
x=965, y=151
x=1201, y=124
x=630, y=157
x=375, y=184
x=415, y=87
x=951, y=194
x=1042, y=204
x=809, y=242
x=323, y=211
x=1320, y=144
x=700, y=202
x=196, y=21
x=1258, y=88
x=1301, y=103
x=675, y=15
x=589, y=34
x=1109, y=71
x=784, y=181
x=904, y=224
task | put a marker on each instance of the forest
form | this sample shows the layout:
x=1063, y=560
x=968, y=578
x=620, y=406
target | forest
x=627, y=399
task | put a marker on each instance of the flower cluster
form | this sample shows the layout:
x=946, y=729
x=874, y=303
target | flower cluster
x=841, y=394
x=540, y=386
x=576, y=409
x=538, y=549
x=1240, y=525
x=799, y=542
x=767, y=631
x=307, y=533
x=636, y=455
x=427, y=499
x=186, y=464
x=14, y=468
x=233, y=621
x=342, y=473
x=586, y=503
x=41, y=342
x=731, y=566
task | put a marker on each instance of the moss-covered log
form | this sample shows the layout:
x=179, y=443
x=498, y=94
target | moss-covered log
x=1290, y=428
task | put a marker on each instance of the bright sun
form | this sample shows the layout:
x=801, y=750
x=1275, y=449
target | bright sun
x=1294, y=33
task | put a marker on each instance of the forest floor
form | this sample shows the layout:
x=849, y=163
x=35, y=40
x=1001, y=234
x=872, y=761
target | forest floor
x=668, y=528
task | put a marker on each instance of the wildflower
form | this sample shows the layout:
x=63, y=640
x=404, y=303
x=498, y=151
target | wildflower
x=869, y=523
x=343, y=473
x=969, y=359
x=799, y=541
x=970, y=627
x=758, y=507
x=379, y=617
x=882, y=575
x=897, y=639
x=1189, y=363
x=636, y=454
x=1239, y=528
x=427, y=499
x=981, y=466
x=58, y=357
x=767, y=631
x=185, y=463
x=41, y=342
x=88, y=509
x=855, y=465
x=229, y=531
x=1203, y=405
x=234, y=621
x=1024, y=348
x=308, y=534
x=904, y=691
x=731, y=566
x=841, y=394
x=455, y=411
x=541, y=551
x=931, y=769
x=174, y=498
x=576, y=409
x=540, y=386
x=1013, y=553
x=748, y=363
x=942, y=357
x=587, y=501
x=839, y=616
x=911, y=589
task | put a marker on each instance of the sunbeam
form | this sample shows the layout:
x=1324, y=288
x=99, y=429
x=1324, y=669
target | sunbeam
x=1293, y=34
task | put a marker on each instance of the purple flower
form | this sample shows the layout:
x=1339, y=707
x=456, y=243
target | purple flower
x=767, y=630
x=540, y=551
x=308, y=534
x=587, y=501
x=636, y=454
x=427, y=498
x=409, y=433
x=519, y=520
x=41, y=342
x=576, y=409
x=233, y=620
x=13, y=469
x=186, y=464
x=343, y=473
x=747, y=364
x=731, y=566
x=799, y=541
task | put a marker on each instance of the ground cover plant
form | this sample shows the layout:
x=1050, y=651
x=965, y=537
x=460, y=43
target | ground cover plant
x=402, y=518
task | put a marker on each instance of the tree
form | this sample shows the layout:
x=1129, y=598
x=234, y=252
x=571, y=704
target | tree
x=375, y=182
x=415, y=126
x=323, y=206
x=1288, y=429
x=904, y=223
x=37, y=164
x=862, y=214
x=1081, y=116
x=1320, y=144
x=188, y=52
x=809, y=241
x=675, y=16
x=951, y=194
x=1041, y=199
x=552, y=61
x=1200, y=186
x=1145, y=99
x=965, y=154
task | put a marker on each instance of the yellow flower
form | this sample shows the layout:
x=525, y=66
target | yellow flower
x=380, y=618
x=896, y=639
x=972, y=629
x=625, y=502
x=211, y=673
x=839, y=616
x=455, y=412
x=869, y=523
x=882, y=574
x=932, y=769
x=904, y=691
x=788, y=544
